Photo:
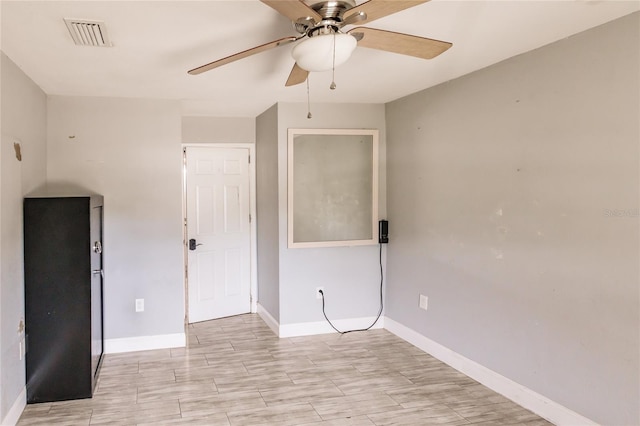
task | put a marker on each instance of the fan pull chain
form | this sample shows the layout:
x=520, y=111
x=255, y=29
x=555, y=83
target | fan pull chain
x=308, y=100
x=333, y=67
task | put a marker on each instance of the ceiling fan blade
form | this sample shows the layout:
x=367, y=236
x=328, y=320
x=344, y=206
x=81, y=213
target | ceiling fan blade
x=404, y=44
x=293, y=9
x=243, y=54
x=297, y=76
x=376, y=9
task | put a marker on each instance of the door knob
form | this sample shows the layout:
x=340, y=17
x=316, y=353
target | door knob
x=192, y=244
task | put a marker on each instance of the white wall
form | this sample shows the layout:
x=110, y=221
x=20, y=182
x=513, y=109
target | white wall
x=218, y=130
x=23, y=118
x=130, y=152
x=502, y=187
x=350, y=275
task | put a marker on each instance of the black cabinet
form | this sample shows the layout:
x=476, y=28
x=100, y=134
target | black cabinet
x=63, y=296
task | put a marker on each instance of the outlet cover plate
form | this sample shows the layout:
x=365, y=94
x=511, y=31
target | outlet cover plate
x=424, y=302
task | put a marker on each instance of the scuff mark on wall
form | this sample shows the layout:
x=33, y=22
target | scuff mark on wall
x=497, y=253
x=503, y=229
x=16, y=147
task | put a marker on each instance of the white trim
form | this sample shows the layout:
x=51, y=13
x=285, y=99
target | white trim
x=317, y=327
x=291, y=134
x=253, y=292
x=16, y=410
x=268, y=319
x=323, y=327
x=527, y=398
x=145, y=343
x=253, y=228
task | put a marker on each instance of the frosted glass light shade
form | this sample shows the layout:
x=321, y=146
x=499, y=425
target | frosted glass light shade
x=316, y=53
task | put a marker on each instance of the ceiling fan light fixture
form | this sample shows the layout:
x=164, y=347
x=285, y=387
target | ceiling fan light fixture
x=316, y=53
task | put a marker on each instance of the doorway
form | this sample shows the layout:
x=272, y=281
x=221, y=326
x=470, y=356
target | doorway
x=219, y=231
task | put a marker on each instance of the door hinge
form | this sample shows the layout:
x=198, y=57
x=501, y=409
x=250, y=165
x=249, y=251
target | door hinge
x=249, y=158
x=249, y=218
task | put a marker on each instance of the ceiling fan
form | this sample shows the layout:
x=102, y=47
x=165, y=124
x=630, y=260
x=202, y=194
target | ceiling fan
x=324, y=45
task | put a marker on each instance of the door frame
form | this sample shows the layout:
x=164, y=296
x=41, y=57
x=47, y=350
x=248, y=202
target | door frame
x=253, y=249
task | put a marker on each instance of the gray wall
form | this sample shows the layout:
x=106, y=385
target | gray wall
x=503, y=189
x=267, y=211
x=129, y=151
x=23, y=120
x=349, y=275
x=218, y=130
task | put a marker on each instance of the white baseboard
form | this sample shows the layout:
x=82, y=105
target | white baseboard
x=316, y=327
x=129, y=344
x=144, y=343
x=268, y=319
x=533, y=401
x=323, y=327
x=16, y=410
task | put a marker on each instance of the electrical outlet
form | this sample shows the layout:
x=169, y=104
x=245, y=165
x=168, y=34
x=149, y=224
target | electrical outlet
x=424, y=302
x=139, y=305
x=318, y=294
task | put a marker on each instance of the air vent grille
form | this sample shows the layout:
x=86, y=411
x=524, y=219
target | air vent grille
x=88, y=33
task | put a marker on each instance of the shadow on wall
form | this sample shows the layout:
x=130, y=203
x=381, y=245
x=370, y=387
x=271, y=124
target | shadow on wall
x=61, y=189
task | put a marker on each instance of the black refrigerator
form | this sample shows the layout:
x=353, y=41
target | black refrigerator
x=63, y=296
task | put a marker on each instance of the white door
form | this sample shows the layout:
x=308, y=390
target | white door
x=218, y=232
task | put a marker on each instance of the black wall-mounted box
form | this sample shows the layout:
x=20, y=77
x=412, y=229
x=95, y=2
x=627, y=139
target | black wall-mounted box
x=383, y=234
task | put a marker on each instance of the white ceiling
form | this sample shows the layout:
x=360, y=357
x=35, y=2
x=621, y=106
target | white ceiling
x=156, y=42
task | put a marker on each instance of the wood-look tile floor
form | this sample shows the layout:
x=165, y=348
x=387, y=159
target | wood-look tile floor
x=235, y=371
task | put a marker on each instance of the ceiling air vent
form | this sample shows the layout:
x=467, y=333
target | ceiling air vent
x=88, y=33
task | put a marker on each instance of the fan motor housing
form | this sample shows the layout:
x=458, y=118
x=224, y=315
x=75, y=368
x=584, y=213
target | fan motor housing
x=331, y=9
x=331, y=12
